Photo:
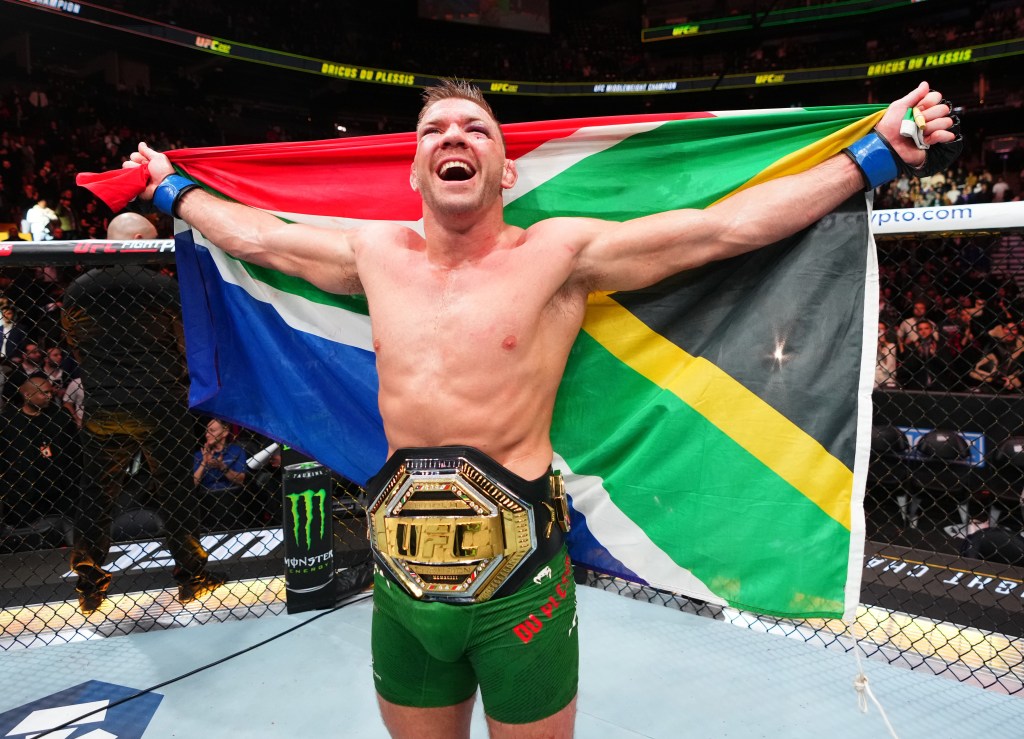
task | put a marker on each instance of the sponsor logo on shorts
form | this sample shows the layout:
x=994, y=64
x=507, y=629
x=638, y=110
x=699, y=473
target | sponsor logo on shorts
x=533, y=624
x=543, y=575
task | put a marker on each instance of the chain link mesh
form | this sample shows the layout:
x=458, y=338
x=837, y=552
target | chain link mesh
x=943, y=572
x=943, y=578
x=120, y=509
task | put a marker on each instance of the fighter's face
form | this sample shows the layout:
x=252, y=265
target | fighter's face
x=460, y=163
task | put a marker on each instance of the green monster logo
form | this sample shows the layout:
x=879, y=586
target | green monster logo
x=307, y=499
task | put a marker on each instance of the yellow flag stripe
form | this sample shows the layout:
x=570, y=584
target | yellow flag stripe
x=769, y=436
x=815, y=153
x=753, y=424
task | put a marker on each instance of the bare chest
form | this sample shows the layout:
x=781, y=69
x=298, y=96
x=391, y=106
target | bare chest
x=478, y=308
x=503, y=309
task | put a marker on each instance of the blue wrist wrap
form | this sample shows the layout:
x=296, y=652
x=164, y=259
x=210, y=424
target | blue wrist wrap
x=169, y=192
x=876, y=160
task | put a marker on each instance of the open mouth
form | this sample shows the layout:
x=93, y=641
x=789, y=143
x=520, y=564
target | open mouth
x=455, y=171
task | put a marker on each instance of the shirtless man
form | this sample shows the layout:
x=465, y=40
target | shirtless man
x=472, y=326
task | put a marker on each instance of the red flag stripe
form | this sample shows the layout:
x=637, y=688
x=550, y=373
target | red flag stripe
x=365, y=177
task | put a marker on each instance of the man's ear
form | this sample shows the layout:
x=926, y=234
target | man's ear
x=509, y=175
x=412, y=179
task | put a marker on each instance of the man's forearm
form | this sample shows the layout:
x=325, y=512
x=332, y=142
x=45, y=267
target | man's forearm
x=325, y=257
x=239, y=230
x=776, y=209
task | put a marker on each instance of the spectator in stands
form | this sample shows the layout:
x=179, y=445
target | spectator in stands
x=1001, y=191
x=124, y=325
x=41, y=458
x=74, y=400
x=68, y=220
x=7, y=210
x=218, y=470
x=1005, y=305
x=887, y=312
x=960, y=346
x=13, y=335
x=39, y=219
x=91, y=222
x=45, y=181
x=906, y=332
x=885, y=364
x=23, y=366
x=981, y=193
x=32, y=359
x=53, y=368
x=921, y=365
x=1000, y=369
x=952, y=195
x=979, y=312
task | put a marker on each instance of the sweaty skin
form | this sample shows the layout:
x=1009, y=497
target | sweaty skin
x=474, y=322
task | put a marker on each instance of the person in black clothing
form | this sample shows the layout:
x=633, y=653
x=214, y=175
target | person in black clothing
x=1000, y=370
x=922, y=363
x=26, y=363
x=124, y=327
x=41, y=458
x=13, y=335
x=985, y=539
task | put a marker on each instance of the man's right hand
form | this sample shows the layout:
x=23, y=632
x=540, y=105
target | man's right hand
x=159, y=167
x=325, y=257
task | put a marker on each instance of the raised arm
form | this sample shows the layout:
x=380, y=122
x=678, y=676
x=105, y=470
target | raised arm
x=641, y=252
x=324, y=257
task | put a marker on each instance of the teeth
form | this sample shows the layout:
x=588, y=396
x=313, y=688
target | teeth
x=452, y=165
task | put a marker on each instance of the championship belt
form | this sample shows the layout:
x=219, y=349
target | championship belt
x=452, y=524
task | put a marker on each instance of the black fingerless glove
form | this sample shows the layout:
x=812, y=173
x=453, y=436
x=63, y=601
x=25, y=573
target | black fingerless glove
x=878, y=168
x=938, y=157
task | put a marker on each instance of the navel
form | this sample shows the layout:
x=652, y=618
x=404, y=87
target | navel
x=376, y=345
x=509, y=343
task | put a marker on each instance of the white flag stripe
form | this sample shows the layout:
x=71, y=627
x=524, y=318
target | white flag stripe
x=855, y=564
x=324, y=321
x=345, y=327
x=556, y=156
x=626, y=541
x=753, y=111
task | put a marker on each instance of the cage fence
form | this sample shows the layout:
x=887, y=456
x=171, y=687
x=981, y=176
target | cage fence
x=121, y=510
x=943, y=571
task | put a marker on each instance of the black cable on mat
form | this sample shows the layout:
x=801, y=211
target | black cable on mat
x=207, y=666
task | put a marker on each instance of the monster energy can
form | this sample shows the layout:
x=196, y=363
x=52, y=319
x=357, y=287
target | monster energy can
x=308, y=537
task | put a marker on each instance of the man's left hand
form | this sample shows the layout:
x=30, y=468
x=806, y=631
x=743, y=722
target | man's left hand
x=938, y=122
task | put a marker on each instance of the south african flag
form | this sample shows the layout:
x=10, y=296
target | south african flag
x=712, y=429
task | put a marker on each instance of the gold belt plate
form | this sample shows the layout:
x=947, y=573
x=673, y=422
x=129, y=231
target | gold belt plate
x=447, y=531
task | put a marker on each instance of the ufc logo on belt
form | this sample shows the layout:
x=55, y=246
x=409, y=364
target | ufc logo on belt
x=431, y=540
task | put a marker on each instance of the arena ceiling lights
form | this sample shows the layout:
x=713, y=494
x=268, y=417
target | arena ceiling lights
x=157, y=31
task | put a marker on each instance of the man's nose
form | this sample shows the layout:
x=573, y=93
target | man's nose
x=453, y=136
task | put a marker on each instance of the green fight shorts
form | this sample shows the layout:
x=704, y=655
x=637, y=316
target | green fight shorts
x=522, y=650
